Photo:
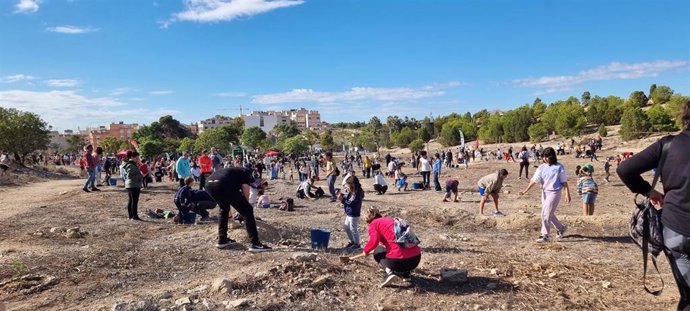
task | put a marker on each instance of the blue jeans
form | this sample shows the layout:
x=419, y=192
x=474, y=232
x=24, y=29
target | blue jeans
x=331, y=186
x=436, y=182
x=91, y=178
x=678, y=253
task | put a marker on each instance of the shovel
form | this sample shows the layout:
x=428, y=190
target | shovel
x=346, y=259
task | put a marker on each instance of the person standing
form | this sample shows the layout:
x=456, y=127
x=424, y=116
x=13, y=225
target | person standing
x=675, y=201
x=367, y=167
x=230, y=187
x=144, y=169
x=352, y=203
x=551, y=175
x=524, y=162
x=133, y=182
x=424, y=170
x=206, y=165
x=90, y=166
x=183, y=168
x=330, y=175
x=216, y=159
x=438, y=164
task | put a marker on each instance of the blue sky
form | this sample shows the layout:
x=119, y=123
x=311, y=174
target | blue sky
x=88, y=62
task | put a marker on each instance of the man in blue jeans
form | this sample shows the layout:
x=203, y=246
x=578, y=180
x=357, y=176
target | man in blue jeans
x=90, y=165
x=437, y=171
x=330, y=175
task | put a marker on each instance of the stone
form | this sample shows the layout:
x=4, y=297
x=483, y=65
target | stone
x=552, y=275
x=491, y=286
x=465, y=239
x=73, y=234
x=209, y=305
x=183, y=301
x=261, y=274
x=304, y=256
x=198, y=290
x=221, y=285
x=120, y=306
x=506, y=191
x=320, y=281
x=238, y=303
x=452, y=275
x=606, y=284
x=56, y=230
x=494, y=271
x=63, y=192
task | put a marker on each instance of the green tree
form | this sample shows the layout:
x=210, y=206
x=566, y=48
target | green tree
x=75, y=143
x=327, y=142
x=675, y=108
x=537, y=132
x=659, y=119
x=221, y=138
x=111, y=144
x=296, y=144
x=538, y=108
x=254, y=137
x=22, y=133
x=165, y=127
x=491, y=131
x=151, y=149
x=186, y=144
x=637, y=99
x=602, y=131
x=634, y=123
x=662, y=94
x=416, y=145
x=423, y=134
x=516, y=123
x=614, y=110
x=571, y=120
x=585, y=98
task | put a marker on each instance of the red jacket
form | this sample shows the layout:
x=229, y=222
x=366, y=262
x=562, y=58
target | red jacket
x=382, y=231
x=144, y=168
x=89, y=160
x=206, y=164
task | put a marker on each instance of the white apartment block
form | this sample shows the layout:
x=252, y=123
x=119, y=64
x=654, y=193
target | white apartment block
x=267, y=120
x=212, y=123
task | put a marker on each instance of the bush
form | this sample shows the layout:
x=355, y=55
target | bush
x=602, y=131
x=537, y=132
x=634, y=123
x=416, y=145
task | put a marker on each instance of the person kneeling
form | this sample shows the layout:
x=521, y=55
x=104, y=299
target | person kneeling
x=401, y=252
x=304, y=190
x=451, y=186
x=380, y=186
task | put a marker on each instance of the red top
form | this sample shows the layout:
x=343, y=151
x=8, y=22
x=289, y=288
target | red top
x=144, y=168
x=89, y=160
x=382, y=231
x=206, y=164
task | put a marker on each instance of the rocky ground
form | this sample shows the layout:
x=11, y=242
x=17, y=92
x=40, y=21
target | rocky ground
x=63, y=249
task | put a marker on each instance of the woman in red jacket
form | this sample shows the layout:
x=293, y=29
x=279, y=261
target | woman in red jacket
x=398, y=260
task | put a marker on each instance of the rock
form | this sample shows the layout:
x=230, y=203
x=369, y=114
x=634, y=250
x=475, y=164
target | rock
x=73, y=234
x=164, y=295
x=451, y=275
x=465, y=239
x=238, y=303
x=476, y=307
x=606, y=284
x=120, y=306
x=491, y=286
x=56, y=230
x=261, y=274
x=320, y=281
x=183, y=301
x=552, y=275
x=63, y=192
x=43, y=206
x=506, y=191
x=209, y=305
x=304, y=257
x=198, y=290
x=221, y=285
x=494, y=271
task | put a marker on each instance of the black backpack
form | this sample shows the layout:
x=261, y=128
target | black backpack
x=646, y=229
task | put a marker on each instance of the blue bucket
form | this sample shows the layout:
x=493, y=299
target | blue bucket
x=112, y=182
x=319, y=238
x=191, y=218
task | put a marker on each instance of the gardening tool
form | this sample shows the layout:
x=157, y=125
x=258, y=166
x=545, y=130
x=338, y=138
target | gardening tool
x=346, y=259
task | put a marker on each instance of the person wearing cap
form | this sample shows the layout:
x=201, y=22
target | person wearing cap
x=491, y=185
x=588, y=189
x=230, y=187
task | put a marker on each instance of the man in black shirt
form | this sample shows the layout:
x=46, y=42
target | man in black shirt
x=675, y=201
x=230, y=186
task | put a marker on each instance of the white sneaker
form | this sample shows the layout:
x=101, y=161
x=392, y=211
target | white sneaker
x=389, y=279
x=543, y=239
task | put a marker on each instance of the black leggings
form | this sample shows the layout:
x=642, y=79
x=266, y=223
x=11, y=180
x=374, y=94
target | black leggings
x=526, y=166
x=426, y=179
x=380, y=189
x=398, y=266
x=133, y=202
x=678, y=246
x=225, y=197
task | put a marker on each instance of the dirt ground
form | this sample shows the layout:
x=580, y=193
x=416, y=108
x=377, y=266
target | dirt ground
x=111, y=263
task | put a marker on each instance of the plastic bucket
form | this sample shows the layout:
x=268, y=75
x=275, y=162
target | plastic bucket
x=319, y=238
x=112, y=182
x=191, y=218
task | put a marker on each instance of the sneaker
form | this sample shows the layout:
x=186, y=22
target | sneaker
x=225, y=243
x=389, y=279
x=258, y=248
x=561, y=233
x=406, y=276
x=95, y=189
x=499, y=214
x=354, y=247
x=86, y=190
x=349, y=245
x=543, y=239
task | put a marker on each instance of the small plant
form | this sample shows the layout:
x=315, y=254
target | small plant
x=18, y=268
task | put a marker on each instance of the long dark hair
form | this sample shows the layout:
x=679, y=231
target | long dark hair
x=357, y=186
x=550, y=155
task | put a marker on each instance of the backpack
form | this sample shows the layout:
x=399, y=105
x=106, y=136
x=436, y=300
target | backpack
x=646, y=229
x=336, y=172
x=404, y=236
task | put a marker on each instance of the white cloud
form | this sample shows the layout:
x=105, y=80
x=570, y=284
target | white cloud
x=16, y=78
x=161, y=92
x=612, y=71
x=231, y=94
x=119, y=91
x=211, y=11
x=63, y=82
x=72, y=30
x=27, y=6
x=68, y=109
x=355, y=94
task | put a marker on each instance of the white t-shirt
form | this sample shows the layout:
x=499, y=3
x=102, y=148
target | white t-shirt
x=391, y=166
x=380, y=180
x=551, y=177
x=424, y=165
